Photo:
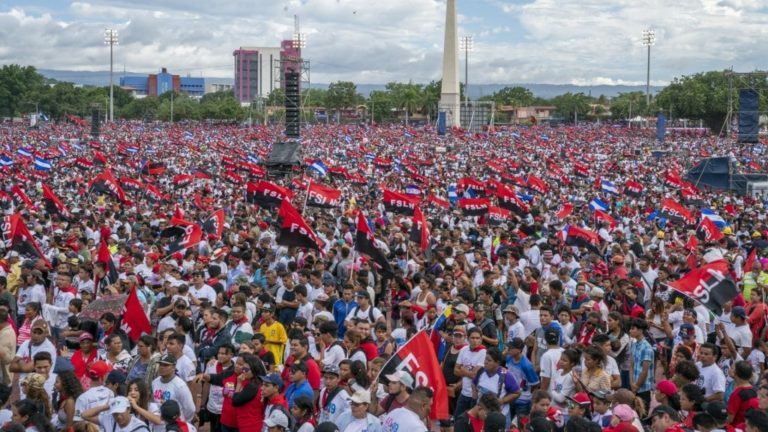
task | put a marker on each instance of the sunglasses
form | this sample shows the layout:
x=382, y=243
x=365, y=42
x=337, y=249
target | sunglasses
x=356, y=403
x=246, y=370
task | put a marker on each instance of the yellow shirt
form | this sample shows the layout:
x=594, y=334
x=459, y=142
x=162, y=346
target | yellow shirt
x=276, y=338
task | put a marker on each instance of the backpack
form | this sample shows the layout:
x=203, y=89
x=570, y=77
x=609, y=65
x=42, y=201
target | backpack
x=370, y=313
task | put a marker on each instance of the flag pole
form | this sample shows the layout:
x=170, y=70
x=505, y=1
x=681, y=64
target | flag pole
x=306, y=197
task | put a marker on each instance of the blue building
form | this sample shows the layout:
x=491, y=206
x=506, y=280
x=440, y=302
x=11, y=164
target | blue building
x=157, y=84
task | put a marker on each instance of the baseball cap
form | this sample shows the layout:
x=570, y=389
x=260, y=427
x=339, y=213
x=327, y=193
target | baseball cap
x=739, y=311
x=402, y=377
x=716, y=409
x=687, y=330
x=274, y=379
x=462, y=308
x=267, y=307
x=85, y=336
x=581, y=398
x=517, y=343
x=168, y=359
x=624, y=412
x=331, y=369
x=361, y=396
x=667, y=387
x=35, y=380
x=277, y=418
x=665, y=409
x=119, y=405
x=99, y=369
x=116, y=377
x=363, y=293
x=170, y=410
x=40, y=324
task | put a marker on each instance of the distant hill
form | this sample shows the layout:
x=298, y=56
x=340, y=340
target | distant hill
x=547, y=91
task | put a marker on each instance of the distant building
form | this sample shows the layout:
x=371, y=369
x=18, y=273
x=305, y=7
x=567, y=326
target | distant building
x=157, y=84
x=257, y=69
x=521, y=113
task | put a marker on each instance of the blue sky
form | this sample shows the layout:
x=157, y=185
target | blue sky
x=534, y=41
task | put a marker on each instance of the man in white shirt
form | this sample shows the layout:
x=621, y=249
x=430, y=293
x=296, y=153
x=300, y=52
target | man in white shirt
x=515, y=328
x=409, y=418
x=23, y=362
x=741, y=333
x=364, y=310
x=99, y=394
x=470, y=360
x=711, y=378
x=550, y=358
x=167, y=386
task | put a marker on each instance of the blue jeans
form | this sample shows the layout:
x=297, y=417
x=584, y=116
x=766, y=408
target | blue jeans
x=463, y=403
x=227, y=429
x=625, y=379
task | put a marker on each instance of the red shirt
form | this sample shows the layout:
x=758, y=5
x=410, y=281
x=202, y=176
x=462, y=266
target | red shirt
x=313, y=372
x=250, y=417
x=81, y=364
x=477, y=424
x=370, y=350
x=742, y=399
x=228, y=414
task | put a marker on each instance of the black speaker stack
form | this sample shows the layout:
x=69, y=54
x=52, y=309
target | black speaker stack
x=292, y=105
x=95, y=122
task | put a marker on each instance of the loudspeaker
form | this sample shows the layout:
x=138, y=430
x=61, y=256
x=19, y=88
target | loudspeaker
x=292, y=105
x=95, y=122
x=749, y=116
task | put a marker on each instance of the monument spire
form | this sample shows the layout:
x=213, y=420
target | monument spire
x=450, y=101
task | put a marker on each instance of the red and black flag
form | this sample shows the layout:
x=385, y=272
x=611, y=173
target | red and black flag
x=633, y=189
x=582, y=237
x=180, y=235
x=83, y=164
x=233, y=177
x=182, y=180
x=152, y=168
x=294, y=231
x=322, y=196
x=400, y=203
x=54, y=205
x=213, y=225
x=420, y=230
x=382, y=163
x=5, y=200
x=153, y=194
x=537, y=185
x=338, y=172
x=417, y=358
x=498, y=215
x=474, y=187
x=708, y=231
x=439, y=202
x=675, y=212
x=109, y=264
x=672, y=179
x=99, y=159
x=365, y=243
x=266, y=194
x=564, y=211
x=105, y=183
x=20, y=197
x=710, y=285
x=16, y=237
x=135, y=321
x=605, y=217
x=508, y=199
x=474, y=206
x=130, y=184
x=580, y=170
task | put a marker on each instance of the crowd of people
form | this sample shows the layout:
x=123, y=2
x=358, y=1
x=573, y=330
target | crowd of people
x=533, y=332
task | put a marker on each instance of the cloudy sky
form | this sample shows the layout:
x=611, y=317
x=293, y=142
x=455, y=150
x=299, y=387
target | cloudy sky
x=585, y=42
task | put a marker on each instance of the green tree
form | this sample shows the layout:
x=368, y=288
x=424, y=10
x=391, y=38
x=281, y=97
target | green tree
x=514, y=96
x=141, y=109
x=178, y=105
x=406, y=97
x=570, y=106
x=381, y=105
x=276, y=97
x=628, y=105
x=342, y=95
x=21, y=87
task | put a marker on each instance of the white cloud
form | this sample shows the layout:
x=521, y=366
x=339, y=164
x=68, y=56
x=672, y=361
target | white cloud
x=544, y=41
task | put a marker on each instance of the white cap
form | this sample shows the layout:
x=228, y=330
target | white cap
x=361, y=396
x=277, y=418
x=402, y=377
x=119, y=405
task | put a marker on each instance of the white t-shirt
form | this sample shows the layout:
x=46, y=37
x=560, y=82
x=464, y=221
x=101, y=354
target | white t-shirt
x=333, y=408
x=27, y=352
x=469, y=358
x=334, y=354
x=185, y=369
x=560, y=387
x=404, y=420
x=549, y=362
x=365, y=314
x=107, y=422
x=215, y=393
x=712, y=379
x=530, y=320
x=93, y=397
x=177, y=390
x=516, y=330
x=742, y=336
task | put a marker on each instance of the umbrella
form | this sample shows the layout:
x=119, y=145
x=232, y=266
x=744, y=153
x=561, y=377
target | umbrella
x=108, y=303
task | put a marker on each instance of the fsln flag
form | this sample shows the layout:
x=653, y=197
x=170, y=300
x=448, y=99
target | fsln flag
x=708, y=231
x=294, y=230
x=135, y=321
x=418, y=359
x=709, y=284
x=365, y=243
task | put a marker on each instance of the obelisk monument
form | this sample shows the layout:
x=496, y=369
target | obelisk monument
x=450, y=101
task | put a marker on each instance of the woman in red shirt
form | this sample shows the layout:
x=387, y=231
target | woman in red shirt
x=82, y=359
x=228, y=381
x=247, y=400
x=744, y=397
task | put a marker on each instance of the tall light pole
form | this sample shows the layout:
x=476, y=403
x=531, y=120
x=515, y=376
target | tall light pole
x=649, y=38
x=466, y=45
x=110, y=38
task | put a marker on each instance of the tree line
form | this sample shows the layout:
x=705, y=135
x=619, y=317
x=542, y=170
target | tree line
x=702, y=96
